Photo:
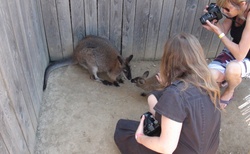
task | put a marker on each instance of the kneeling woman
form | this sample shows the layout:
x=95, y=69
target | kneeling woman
x=187, y=108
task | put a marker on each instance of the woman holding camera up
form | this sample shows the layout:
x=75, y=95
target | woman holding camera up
x=187, y=109
x=233, y=62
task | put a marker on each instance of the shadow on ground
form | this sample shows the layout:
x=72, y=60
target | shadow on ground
x=79, y=115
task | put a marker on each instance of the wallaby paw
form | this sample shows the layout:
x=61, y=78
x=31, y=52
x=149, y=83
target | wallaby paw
x=120, y=81
x=116, y=84
x=107, y=83
x=143, y=94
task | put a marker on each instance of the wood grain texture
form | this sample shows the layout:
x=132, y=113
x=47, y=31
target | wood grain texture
x=153, y=29
x=140, y=29
x=91, y=17
x=12, y=87
x=78, y=20
x=116, y=23
x=36, y=55
x=15, y=85
x=3, y=147
x=178, y=17
x=50, y=19
x=103, y=18
x=165, y=26
x=65, y=27
x=41, y=33
x=23, y=63
x=189, y=16
x=128, y=27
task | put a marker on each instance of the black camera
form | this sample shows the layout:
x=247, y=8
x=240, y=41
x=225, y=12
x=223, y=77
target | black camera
x=213, y=13
x=151, y=126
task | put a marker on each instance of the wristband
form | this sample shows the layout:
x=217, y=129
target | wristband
x=221, y=35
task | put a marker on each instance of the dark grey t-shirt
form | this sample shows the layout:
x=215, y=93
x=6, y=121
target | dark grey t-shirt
x=193, y=108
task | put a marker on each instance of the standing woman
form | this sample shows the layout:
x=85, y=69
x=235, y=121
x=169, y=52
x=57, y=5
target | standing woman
x=187, y=108
x=233, y=62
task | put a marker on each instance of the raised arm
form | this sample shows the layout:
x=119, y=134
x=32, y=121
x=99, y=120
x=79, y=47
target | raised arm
x=240, y=50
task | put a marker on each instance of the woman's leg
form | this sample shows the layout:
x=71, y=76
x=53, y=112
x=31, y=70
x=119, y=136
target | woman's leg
x=233, y=78
x=124, y=138
x=217, y=75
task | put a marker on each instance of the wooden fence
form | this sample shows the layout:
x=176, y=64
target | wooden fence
x=139, y=27
x=23, y=58
x=33, y=32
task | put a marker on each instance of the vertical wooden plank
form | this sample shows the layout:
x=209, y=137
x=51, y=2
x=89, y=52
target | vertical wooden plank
x=165, y=26
x=178, y=17
x=91, y=17
x=78, y=20
x=42, y=34
x=65, y=27
x=214, y=46
x=197, y=26
x=212, y=51
x=14, y=78
x=189, y=15
x=128, y=27
x=206, y=37
x=50, y=20
x=153, y=29
x=141, y=26
x=3, y=147
x=220, y=48
x=23, y=63
x=34, y=54
x=28, y=14
x=103, y=18
x=9, y=128
x=205, y=40
x=116, y=23
x=41, y=50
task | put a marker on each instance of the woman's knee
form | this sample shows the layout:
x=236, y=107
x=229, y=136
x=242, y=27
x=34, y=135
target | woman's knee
x=217, y=75
x=233, y=69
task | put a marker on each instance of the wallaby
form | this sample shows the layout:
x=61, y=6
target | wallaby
x=97, y=55
x=147, y=84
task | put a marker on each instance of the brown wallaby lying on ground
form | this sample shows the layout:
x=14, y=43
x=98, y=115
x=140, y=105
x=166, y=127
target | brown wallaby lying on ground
x=97, y=55
x=147, y=84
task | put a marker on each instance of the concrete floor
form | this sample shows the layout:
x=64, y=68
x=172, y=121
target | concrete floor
x=79, y=115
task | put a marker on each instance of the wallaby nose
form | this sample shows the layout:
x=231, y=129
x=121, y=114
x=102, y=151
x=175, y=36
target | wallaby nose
x=134, y=80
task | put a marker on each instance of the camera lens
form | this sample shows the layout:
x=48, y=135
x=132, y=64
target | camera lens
x=213, y=13
x=207, y=16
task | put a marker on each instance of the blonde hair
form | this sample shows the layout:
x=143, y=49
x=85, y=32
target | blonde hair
x=183, y=59
x=235, y=3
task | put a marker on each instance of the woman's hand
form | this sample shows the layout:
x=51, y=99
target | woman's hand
x=139, y=131
x=158, y=77
x=211, y=26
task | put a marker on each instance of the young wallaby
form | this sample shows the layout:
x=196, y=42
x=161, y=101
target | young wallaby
x=147, y=84
x=97, y=55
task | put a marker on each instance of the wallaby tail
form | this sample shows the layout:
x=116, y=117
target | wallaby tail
x=54, y=65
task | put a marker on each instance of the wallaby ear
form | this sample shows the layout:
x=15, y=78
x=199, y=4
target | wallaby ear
x=120, y=59
x=128, y=59
x=145, y=74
